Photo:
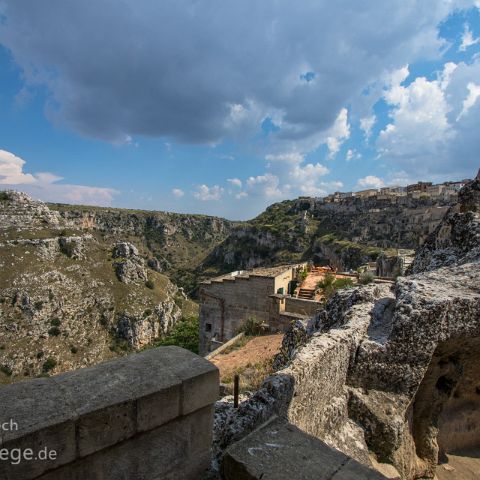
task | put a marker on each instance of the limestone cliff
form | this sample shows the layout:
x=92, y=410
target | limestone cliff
x=70, y=297
x=177, y=243
x=390, y=375
x=345, y=234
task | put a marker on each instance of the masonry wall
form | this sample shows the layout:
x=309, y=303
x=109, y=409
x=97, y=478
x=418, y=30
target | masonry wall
x=232, y=301
x=145, y=416
x=301, y=306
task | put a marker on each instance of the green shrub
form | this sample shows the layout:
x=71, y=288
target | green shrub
x=343, y=283
x=365, y=278
x=3, y=196
x=329, y=285
x=73, y=349
x=49, y=364
x=6, y=370
x=302, y=275
x=252, y=327
x=54, y=332
x=55, y=322
x=40, y=355
x=149, y=284
x=184, y=334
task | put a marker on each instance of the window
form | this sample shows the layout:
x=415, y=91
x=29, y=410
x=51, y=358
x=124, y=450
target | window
x=208, y=327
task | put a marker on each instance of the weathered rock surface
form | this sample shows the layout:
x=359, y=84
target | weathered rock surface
x=345, y=234
x=175, y=244
x=388, y=375
x=457, y=239
x=62, y=305
x=281, y=451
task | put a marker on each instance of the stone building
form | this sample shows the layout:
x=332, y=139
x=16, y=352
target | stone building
x=226, y=302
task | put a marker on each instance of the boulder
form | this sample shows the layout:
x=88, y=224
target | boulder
x=124, y=250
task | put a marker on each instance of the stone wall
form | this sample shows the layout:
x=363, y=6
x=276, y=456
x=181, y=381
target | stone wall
x=226, y=304
x=301, y=306
x=145, y=416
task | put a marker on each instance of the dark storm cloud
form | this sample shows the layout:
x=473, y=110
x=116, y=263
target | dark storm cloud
x=175, y=68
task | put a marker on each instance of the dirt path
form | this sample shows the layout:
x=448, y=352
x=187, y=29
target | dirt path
x=460, y=467
x=257, y=350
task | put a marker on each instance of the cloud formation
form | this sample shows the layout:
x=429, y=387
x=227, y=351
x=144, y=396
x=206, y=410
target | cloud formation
x=178, y=193
x=432, y=131
x=370, y=181
x=239, y=63
x=206, y=193
x=45, y=186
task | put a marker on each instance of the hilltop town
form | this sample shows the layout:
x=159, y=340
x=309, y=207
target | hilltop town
x=446, y=191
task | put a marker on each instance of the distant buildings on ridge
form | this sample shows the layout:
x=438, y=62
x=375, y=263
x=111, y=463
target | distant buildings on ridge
x=442, y=191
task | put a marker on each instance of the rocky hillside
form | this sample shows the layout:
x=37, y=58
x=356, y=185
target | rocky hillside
x=71, y=297
x=388, y=374
x=177, y=243
x=189, y=248
x=346, y=234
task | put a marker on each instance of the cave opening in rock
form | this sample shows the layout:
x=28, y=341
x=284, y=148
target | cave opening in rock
x=446, y=412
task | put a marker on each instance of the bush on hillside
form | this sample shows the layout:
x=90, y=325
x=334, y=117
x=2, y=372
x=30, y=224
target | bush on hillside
x=252, y=327
x=184, y=334
x=365, y=278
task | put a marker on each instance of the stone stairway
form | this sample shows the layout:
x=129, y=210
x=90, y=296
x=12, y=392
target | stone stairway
x=306, y=293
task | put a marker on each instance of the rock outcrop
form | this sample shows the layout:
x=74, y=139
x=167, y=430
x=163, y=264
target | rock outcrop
x=70, y=299
x=457, y=239
x=129, y=267
x=390, y=375
x=346, y=234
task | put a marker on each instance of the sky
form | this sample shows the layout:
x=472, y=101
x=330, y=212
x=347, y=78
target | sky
x=224, y=107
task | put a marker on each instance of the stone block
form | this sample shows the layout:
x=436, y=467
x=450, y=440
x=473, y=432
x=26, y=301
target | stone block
x=103, y=403
x=201, y=430
x=139, y=417
x=43, y=420
x=353, y=470
x=200, y=379
x=162, y=453
x=279, y=450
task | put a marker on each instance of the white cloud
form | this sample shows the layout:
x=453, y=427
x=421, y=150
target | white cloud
x=241, y=195
x=338, y=133
x=206, y=193
x=264, y=186
x=205, y=94
x=235, y=182
x=370, y=181
x=178, y=193
x=433, y=129
x=366, y=124
x=469, y=102
x=45, y=186
x=352, y=154
x=286, y=157
x=467, y=39
x=11, y=170
x=306, y=179
x=419, y=124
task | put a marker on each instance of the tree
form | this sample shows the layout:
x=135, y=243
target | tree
x=184, y=334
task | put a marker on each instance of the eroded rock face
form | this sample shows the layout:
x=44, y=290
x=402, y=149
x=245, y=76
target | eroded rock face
x=388, y=374
x=139, y=331
x=457, y=239
x=62, y=306
x=130, y=267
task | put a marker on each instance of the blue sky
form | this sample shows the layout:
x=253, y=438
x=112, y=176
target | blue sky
x=225, y=107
